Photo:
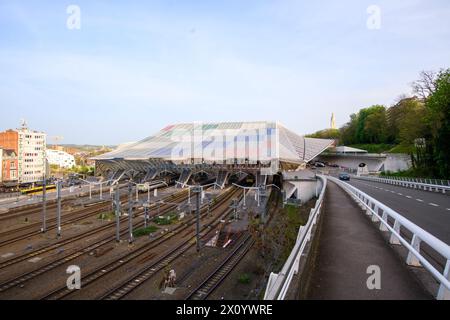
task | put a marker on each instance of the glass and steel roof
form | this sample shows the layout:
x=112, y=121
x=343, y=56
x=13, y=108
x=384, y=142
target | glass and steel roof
x=224, y=142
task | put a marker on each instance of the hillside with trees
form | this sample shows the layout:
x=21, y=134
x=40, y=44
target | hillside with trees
x=417, y=125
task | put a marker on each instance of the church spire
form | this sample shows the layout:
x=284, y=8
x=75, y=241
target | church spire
x=333, y=121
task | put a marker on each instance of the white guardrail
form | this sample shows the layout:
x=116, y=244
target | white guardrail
x=380, y=213
x=424, y=184
x=278, y=284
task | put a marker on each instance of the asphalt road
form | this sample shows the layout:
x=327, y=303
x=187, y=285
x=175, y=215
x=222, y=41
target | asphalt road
x=429, y=210
x=348, y=245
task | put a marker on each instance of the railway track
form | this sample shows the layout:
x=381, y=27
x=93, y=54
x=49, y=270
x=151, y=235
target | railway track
x=49, y=266
x=25, y=212
x=37, y=207
x=77, y=237
x=149, y=271
x=69, y=218
x=91, y=277
x=213, y=281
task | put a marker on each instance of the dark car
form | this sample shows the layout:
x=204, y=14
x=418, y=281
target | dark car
x=344, y=176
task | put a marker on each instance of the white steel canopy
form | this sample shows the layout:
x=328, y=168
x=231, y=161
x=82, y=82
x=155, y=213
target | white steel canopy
x=264, y=143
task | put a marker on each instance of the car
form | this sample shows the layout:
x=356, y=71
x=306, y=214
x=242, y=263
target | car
x=320, y=165
x=344, y=176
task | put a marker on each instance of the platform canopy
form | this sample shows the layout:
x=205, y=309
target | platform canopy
x=218, y=144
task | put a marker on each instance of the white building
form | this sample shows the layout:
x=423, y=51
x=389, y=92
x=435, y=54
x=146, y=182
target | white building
x=31, y=155
x=29, y=146
x=60, y=158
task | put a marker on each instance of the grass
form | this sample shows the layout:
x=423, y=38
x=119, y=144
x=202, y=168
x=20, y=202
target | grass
x=167, y=219
x=411, y=173
x=244, y=278
x=384, y=148
x=108, y=216
x=145, y=231
x=402, y=149
x=374, y=148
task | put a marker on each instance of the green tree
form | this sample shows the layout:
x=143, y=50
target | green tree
x=412, y=125
x=326, y=134
x=438, y=106
x=375, y=125
x=348, y=131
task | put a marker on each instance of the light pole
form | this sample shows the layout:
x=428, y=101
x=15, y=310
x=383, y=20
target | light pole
x=117, y=200
x=130, y=212
x=58, y=195
x=198, y=191
x=44, y=205
x=235, y=206
x=146, y=208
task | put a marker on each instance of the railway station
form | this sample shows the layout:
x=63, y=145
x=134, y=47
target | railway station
x=217, y=151
x=218, y=211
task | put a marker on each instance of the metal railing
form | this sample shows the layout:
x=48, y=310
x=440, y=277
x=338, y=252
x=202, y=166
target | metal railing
x=380, y=213
x=278, y=284
x=423, y=184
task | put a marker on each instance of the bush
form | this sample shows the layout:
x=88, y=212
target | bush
x=167, y=219
x=109, y=216
x=244, y=278
x=144, y=231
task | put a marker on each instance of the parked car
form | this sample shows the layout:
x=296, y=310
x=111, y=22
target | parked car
x=320, y=165
x=344, y=176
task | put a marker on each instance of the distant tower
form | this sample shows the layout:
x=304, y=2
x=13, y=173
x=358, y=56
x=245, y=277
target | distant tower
x=23, y=124
x=333, y=121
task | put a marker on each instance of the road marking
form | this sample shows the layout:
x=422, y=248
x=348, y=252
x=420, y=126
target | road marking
x=420, y=200
x=409, y=197
x=10, y=254
x=400, y=194
x=433, y=204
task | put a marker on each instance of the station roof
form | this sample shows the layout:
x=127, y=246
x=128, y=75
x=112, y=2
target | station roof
x=262, y=141
x=344, y=149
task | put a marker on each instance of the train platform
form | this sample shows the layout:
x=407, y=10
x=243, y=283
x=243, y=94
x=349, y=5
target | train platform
x=350, y=245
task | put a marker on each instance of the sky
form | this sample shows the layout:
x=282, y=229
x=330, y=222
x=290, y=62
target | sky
x=133, y=67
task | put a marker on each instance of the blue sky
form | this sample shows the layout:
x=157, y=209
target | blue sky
x=136, y=66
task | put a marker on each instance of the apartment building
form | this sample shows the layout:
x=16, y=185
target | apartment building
x=30, y=148
x=60, y=158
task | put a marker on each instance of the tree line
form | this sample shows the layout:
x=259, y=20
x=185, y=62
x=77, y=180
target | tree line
x=418, y=125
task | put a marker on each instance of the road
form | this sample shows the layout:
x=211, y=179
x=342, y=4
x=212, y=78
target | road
x=429, y=210
x=348, y=245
